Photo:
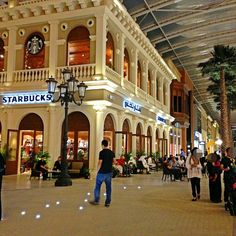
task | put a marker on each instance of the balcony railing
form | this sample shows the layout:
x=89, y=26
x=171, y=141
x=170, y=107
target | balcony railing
x=34, y=75
x=82, y=72
x=129, y=86
x=142, y=94
x=113, y=75
x=3, y=77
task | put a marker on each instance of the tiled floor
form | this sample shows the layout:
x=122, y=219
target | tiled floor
x=142, y=205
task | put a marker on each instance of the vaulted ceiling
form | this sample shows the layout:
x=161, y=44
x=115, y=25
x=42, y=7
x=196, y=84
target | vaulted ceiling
x=186, y=31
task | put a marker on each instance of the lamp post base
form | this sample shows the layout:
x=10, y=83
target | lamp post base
x=64, y=180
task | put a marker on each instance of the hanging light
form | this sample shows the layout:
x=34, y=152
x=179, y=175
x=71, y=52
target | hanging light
x=81, y=89
x=66, y=74
x=71, y=84
x=52, y=84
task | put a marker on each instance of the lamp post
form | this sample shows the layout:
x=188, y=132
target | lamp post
x=67, y=94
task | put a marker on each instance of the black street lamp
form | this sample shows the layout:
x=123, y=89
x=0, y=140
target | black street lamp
x=67, y=94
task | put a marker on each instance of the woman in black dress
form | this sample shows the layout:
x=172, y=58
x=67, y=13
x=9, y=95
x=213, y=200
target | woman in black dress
x=214, y=173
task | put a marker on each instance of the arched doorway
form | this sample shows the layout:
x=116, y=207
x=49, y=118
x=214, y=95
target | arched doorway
x=30, y=138
x=110, y=49
x=78, y=46
x=109, y=132
x=2, y=55
x=140, y=142
x=78, y=137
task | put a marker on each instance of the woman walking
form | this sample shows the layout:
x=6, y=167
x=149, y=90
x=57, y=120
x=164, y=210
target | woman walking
x=194, y=167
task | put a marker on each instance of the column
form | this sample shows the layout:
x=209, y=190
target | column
x=119, y=136
x=101, y=45
x=134, y=62
x=53, y=133
x=161, y=90
x=145, y=76
x=154, y=75
x=11, y=53
x=53, y=50
x=133, y=128
x=120, y=57
x=154, y=138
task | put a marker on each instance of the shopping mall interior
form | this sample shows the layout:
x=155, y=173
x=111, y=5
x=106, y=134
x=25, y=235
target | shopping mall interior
x=153, y=78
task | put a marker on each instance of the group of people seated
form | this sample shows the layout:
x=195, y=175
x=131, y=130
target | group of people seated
x=134, y=165
x=41, y=166
x=174, y=166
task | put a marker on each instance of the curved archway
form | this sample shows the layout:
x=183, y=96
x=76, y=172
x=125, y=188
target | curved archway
x=78, y=137
x=140, y=141
x=110, y=49
x=2, y=55
x=126, y=65
x=34, y=55
x=78, y=46
x=31, y=137
x=109, y=131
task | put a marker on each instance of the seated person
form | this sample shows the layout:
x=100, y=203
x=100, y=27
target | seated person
x=119, y=165
x=57, y=164
x=41, y=166
x=145, y=164
x=174, y=166
x=151, y=164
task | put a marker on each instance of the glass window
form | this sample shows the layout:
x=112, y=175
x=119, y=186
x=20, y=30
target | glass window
x=126, y=65
x=110, y=51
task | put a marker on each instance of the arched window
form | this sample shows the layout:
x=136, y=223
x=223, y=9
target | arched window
x=34, y=51
x=149, y=84
x=109, y=132
x=126, y=65
x=2, y=55
x=139, y=75
x=78, y=46
x=110, y=51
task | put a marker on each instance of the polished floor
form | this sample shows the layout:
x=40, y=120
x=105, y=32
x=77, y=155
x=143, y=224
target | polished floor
x=142, y=205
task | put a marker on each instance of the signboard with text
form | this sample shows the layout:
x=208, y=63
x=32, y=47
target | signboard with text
x=132, y=106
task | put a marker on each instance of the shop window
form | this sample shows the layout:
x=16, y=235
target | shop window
x=140, y=142
x=78, y=46
x=78, y=137
x=2, y=55
x=126, y=65
x=34, y=51
x=164, y=95
x=149, y=141
x=109, y=132
x=110, y=51
x=149, y=84
x=31, y=138
x=139, y=75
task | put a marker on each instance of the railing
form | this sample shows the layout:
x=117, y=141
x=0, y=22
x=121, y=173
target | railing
x=129, y=86
x=34, y=75
x=85, y=72
x=113, y=75
x=151, y=99
x=3, y=77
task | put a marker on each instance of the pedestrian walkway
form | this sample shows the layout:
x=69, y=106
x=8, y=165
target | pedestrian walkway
x=142, y=205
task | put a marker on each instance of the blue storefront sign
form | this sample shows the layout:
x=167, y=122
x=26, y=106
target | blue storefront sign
x=161, y=120
x=132, y=106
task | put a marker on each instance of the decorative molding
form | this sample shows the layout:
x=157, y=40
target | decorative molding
x=61, y=41
x=5, y=34
x=21, y=32
x=92, y=37
x=19, y=46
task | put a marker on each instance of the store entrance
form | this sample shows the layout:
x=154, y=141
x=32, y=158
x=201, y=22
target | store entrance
x=24, y=144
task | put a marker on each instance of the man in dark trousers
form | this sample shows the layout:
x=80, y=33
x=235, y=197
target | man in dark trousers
x=2, y=168
x=106, y=159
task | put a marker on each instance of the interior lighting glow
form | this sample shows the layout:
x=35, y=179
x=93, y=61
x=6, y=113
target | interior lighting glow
x=139, y=187
x=124, y=187
x=57, y=203
x=23, y=213
x=81, y=208
x=47, y=205
x=88, y=194
x=38, y=216
x=85, y=200
x=104, y=194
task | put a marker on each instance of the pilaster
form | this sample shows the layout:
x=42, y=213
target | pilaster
x=53, y=50
x=101, y=33
x=11, y=58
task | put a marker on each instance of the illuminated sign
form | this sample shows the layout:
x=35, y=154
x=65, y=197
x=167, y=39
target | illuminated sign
x=26, y=98
x=132, y=106
x=161, y=120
